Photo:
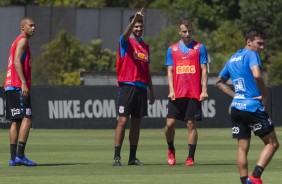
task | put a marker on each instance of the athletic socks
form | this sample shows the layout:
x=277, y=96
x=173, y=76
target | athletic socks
x=243, y=179
x=132, y=153
x=258, y=171
x=21, y=148
x=117, y=151
x=192, y=149
x=170, y=145
x=13, y=151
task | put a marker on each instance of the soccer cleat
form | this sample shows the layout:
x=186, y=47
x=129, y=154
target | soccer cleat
x=24, y=161
x=135, y=162
x=190, y=162
x=253, y=180
x=171, y=157
x=12, y=163
x=117, y=161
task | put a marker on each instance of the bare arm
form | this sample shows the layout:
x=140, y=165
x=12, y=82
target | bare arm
x=127, y=32
x=21, y=47
x=260, y=83
x=221, y=84
x=171, y=94
x=152, y=94
x=204, y=81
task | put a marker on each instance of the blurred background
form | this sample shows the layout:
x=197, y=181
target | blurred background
x=76, y=41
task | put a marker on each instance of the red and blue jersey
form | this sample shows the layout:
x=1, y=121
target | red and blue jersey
x=186, y=62
x=12, y=79
x=132, y=63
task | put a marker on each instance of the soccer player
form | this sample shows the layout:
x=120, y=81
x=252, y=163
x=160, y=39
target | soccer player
x=187, y=73
x=17, y=89
x=248, y=105
x=133, y=76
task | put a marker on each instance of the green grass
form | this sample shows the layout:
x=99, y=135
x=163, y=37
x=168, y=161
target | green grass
x=85, y=156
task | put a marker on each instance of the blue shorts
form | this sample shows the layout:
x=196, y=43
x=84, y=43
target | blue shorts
x=243, y=122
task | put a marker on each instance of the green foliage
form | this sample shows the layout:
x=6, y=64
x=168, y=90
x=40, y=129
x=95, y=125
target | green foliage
x=274, y=70
x=158, y=47
x=207, y=15
x=73, y=3
x=65, y=57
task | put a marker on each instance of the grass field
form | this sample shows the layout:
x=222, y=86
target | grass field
x=85, y=156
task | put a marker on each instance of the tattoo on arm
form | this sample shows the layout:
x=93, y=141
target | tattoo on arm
x=221, y=84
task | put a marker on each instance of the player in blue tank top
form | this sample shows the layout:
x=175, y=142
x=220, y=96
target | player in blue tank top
x=247, y=108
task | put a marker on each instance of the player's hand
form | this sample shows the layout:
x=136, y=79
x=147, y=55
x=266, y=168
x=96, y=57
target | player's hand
x=204, y=96
x=171, y=96
x=139, y=15
x=262, y=99
x=152, y=99
x=25, y=90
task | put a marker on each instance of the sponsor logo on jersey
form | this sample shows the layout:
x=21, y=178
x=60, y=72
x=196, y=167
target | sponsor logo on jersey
x=185, y=69
x=236, y=59
x=239, y=105
x=239, y=84
x=141, y=56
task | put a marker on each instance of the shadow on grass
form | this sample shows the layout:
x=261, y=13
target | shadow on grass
x=61, y=164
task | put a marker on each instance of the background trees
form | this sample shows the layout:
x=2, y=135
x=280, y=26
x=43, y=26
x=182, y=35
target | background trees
x=219, y=24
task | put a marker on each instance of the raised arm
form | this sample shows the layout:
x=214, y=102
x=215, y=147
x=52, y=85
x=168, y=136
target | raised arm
x=127, y=32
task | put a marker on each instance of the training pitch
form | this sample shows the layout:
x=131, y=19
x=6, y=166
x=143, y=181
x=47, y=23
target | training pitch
x=85, y=156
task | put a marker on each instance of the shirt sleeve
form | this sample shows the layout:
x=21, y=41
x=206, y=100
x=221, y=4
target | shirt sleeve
x=123, y=46
x=254, y=59
x=169, y=61
x=224, y=72
x=203, y=55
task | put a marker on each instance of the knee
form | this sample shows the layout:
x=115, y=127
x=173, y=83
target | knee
x=170, y=124
x=275, y=145
x=191, y=125
x=122, y=122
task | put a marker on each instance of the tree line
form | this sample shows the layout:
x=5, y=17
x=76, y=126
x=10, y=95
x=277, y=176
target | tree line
x=219, y=24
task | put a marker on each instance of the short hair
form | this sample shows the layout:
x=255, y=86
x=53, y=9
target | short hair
x=24, y=19
x=131, y=18
x=253, y=33
x=187, y=23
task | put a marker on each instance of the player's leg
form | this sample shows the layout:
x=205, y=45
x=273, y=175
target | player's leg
x=192, y=142
x=242, y=158
x=242, y=132
x=193, y=113
x=25, y=102
x=169, y=134
x=140, y=110
x=271, y=145
x=119, y=137
x=14, y=132
x=133, y=141
x=173, y=113
x=14, y=116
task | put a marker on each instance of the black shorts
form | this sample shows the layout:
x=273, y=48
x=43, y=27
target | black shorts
x=184, y=109
x=132, y=101
x=17, y=106
x=243, y=122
